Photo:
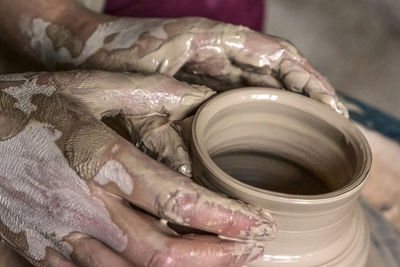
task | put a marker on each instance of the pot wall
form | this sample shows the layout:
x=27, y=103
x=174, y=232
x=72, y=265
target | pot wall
x=300, y=138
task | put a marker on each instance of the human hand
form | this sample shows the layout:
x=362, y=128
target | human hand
x=196, y=50
x=68, y=182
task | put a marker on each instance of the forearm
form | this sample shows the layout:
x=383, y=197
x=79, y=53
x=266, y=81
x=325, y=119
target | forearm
x=65, y=35
x=26, y=23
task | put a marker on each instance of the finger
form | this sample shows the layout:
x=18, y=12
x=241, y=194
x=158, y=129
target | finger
x=276, y=57
x=157, y=245
x=160, y=139
x=169, y=195
x=195, y=250
x=136, y=94
x=89, y=252
x=303, y=78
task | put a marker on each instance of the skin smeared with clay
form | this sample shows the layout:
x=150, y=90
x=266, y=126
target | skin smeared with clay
x=201, y=51
x=23, y=93
x=66, y=178
x=66, y=49
x=55, y=208
x=114, y=172
x=150, y=116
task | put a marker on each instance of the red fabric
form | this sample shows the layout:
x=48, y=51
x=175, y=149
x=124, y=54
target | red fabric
x=249, y=13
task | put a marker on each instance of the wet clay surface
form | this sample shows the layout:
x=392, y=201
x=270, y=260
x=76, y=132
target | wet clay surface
x=272, y=140
x=312, y=162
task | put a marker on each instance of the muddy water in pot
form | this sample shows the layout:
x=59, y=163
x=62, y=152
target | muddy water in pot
x=295, y=158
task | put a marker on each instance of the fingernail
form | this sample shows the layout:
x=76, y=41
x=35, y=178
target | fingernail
x=341, y=109
x=204, y=90
x=265, y=215
x=296, y=80
x=196, y=97
x=331, y=101
x=264, y=228
x=263, y=232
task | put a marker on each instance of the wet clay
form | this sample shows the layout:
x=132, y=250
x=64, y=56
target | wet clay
x=62, y=37
x=134, y=95
x=23, y=93
x=282, y=152
x=273, y=146
x=160, y=138
x=114, y=172
x=16, y=92
x=12, y=120
x=291, y=156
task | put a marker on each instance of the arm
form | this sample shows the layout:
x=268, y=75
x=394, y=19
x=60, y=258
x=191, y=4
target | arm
x=196, y=50
x=18, y=25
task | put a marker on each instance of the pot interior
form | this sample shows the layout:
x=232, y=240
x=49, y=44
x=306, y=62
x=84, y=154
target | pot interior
x=280, y=148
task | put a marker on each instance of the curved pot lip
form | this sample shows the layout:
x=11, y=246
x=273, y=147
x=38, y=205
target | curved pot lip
x=225, y=181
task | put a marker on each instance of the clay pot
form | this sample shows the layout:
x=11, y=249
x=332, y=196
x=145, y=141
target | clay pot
x=294, y=157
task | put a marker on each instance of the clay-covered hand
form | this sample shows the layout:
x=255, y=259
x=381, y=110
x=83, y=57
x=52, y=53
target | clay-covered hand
x=196, y=50
x=68, y=182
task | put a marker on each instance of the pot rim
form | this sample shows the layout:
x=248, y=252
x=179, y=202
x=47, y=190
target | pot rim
x=225, y=181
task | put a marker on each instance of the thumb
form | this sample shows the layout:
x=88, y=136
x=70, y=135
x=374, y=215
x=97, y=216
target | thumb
x=135, y=95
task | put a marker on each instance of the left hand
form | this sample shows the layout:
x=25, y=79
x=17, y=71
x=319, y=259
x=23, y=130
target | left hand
x=197, y=50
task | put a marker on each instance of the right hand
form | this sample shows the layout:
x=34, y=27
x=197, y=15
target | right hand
x=67, y=182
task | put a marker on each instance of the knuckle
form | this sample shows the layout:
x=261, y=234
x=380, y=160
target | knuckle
x=290, y=47
x=177, y=206
x=78, y=240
